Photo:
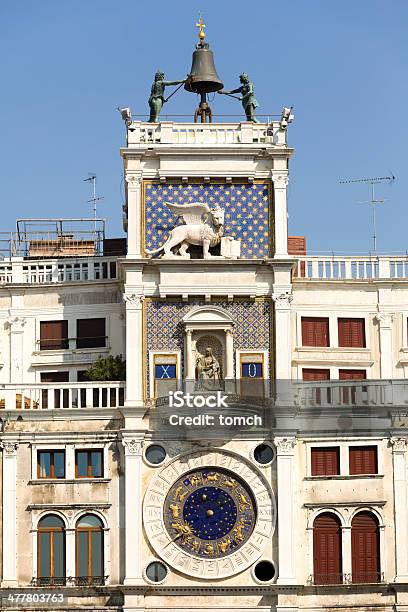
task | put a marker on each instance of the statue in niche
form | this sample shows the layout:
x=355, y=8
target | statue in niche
x=208, y=370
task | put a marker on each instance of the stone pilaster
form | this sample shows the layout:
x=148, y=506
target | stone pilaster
x=286, y=509
x=399, y=454
x=134, y=350
x=384, y=320
x=16, y=328
x=283, y=335
x=134, y=204
x=133, y=508
x=280, y=182
x=9, y=513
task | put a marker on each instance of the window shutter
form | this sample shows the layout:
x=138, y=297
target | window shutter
x=315, y=374
x=352, y=374
x=363, y=460
x=352, y=333
x=315, y=331
x=327, y=549
x=53, y=335
x=365, y=548
x=325, y=461
x=91, y=333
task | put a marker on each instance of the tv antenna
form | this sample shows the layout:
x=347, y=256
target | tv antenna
x=94, y=198
x=373, y=202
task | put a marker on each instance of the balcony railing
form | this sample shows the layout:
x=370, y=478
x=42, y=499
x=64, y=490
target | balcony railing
x=217, y=133
x=350, y=578
x=332, y=394
x=20, y=271
x=48, y=396
x=79, y=581
x=351, y=267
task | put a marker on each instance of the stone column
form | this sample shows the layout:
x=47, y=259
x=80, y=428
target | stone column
x=9, y=513
x=229, y=351
x=385, y=320
x=346, y=552
x=134, y=350
x=134, y=212
x=286, y=509
x=280, y=182
x=16, y=327
x=399, y=447
x=283, y=346
x=189, y=357
x=133, y=509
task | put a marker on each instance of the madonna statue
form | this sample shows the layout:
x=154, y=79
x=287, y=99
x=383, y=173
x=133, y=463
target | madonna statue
x=208, y=371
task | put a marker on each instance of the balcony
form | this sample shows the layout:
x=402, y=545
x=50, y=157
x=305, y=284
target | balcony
x=49, y=396
x=74, y=270
x=351, y=578
x=351, y=267
x=77, y=581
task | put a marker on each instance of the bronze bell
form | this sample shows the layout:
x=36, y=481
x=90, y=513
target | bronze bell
x=203, y=77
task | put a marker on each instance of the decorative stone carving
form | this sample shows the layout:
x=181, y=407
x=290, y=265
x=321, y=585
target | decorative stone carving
x=15, y=324
x=133, y=180
x=204, y=226
x=285, y=446
x=133, y=446
x=399, y=445
x=384, y=319
x=282, y=300
x=280, y=181
x=9, y=447
x=133, y=299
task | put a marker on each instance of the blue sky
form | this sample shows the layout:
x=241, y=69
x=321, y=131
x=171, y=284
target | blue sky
x=67, y=65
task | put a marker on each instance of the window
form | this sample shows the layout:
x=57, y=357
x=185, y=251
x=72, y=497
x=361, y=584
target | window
x=89, y=550
x=51, y=551
x=51, y=464
x=325, y=461
x=88, y=464
x=327, y=556
x=350, y=392
x=365, y=548
x=91, y=333
x=352, y=333
x=315, y=331
x=363, y=460
x=318, y=374
x=53, y=335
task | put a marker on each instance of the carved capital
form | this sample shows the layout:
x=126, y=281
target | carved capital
x=280, y=181
x=133, y=180
x=9, y=448
x=133, y=446
x=133, y=300
x=282, y=300
x=285, y=446
x=399, y=445
x=384, y=319
x=15, y=324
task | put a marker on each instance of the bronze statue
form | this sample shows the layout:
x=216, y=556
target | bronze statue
x=157, y=99
x=249, y=102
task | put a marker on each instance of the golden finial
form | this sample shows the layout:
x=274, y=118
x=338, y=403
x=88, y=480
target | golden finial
x=201, y=26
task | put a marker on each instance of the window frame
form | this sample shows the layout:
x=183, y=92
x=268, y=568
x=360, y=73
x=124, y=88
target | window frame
x=309, y=317
x=51, y=530
x=86, y=339
x=89, y=452
x=175, y=356
x=364, y=332
x=316, y=449
x=89, y=531
x=52, y=451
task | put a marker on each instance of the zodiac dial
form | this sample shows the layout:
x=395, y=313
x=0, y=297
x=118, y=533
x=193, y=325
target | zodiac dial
x=210, y=513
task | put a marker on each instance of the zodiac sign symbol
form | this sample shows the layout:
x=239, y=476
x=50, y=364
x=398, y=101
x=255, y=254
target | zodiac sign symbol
x=231, y=483
x=212, y=477
x=239, y=536
x=223, y=546
x=195, y=480
x=175, y=510
x=243, y=502
x=209, y=549
x=195, y=545
x=178, y=492
x=184, y=532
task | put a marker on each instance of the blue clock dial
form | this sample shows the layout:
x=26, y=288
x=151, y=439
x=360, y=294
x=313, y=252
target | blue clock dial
x=210, y=512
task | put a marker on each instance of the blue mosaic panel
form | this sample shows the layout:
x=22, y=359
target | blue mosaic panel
x=252, y=370
x=165, y=331
x=246, y=212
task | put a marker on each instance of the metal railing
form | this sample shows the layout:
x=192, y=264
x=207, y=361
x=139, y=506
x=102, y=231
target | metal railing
x=48, y=396
x=351, y=267
x=20, y=271
x=78, y=343
x=328, y=579
x=79, y=581
x=188, y=133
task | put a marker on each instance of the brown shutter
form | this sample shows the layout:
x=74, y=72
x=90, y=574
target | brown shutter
x=365, y=548
x=91, y=333
x=352, y=333
x=53, y=335
x=315, y=374
x=325, y=461
x=363, y=459
x=315, y=331
x=327, y=549
x=352, y=374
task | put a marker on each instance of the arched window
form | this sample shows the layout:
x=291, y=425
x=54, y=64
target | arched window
x=89, y=550
x=327, y=562
x=365, y=548
x=51, y=550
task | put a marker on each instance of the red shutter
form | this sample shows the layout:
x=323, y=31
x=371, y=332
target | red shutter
x=352, y=374
x=363, y=460
x=352, y=333
x=365, y=548
x=327, y=549
x=315, y=331
x=53, y=335
x=325, y=461
x=315, y=374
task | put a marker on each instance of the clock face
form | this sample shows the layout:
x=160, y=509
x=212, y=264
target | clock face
x=209, y=513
